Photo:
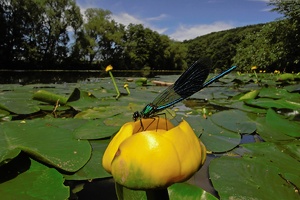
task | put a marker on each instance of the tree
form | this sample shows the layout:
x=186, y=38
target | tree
x=264, y=48
x=100, y=38
x=37, y=31
x=291, y=12
x=277, y=45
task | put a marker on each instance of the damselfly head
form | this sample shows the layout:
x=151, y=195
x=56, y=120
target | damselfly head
x=136, y=115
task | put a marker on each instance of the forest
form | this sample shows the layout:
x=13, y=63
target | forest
x=54, y=34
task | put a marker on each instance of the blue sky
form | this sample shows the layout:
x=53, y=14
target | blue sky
x=186, y=19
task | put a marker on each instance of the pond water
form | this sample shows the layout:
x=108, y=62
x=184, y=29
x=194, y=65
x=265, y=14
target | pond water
x=32, y=77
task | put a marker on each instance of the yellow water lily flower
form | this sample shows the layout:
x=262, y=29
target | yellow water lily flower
x=253, y=67
x=276, y=72
x=108, y=68
x=155, y=158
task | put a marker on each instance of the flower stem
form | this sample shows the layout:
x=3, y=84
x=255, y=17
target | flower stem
x=116, y=87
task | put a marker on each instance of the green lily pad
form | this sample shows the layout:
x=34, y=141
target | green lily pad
x=177, y=191
x=274, y=93
x=141, y=81
x=3, y=113
x=247, y=108
x=49, y=97
x=81, y=100
x=249, y=178
x=286, y=77
x=93, y=169
x=185, y=191
x=275, y=155
x=216, y=138
x=250, y=95
x=293, y=88
x=269, y=133
x=282, y=125
x=24, y=178
x=44, y=140
x=234, y=120
x=271, y=103
x=5, y=116
x=274, y=128
x=18, y=102
x=94, y=129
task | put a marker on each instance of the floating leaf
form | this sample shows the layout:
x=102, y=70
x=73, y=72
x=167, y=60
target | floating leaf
x=249, y=95
x=271, y=103
x=269, y=133
x=18, y=102
x=81, y=100
x=249, y=178
x=141, y=81
x=93, y=169
x=217, y=139
x=247, y=108
x=282, y=125
x=286, y=77
x=177, y=191
x=94, y=129
x=24, y=178
x=45, y=141
x=185, y=191
x=274, y=93
x=234, y=120
x=49, y=97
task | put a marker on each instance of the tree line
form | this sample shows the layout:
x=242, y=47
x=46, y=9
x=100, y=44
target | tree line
x=53, y=34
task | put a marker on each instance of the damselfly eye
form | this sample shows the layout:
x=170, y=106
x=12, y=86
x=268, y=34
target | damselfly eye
x=136, y=115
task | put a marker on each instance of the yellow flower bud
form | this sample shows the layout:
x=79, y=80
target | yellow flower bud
x=253, y=67
x=155, y=158
x=108, y=68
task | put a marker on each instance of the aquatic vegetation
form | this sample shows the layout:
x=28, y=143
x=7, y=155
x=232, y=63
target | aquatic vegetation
x=252, y=129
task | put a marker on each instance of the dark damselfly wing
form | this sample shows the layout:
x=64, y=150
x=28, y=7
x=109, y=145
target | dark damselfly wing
x=190, y=82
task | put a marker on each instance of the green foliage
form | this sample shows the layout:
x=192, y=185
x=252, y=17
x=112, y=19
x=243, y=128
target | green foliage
x=219, y=47
x=264, y=48
x=37, y=33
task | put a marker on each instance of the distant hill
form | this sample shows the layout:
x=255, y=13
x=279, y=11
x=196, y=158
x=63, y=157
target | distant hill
x=220, y=46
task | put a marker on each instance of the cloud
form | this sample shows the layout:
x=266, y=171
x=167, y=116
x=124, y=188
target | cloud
x=126, y=19
x=186, y=32
x=158, y=18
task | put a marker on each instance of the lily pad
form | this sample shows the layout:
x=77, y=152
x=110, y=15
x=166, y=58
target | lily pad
x=234, y=120
x=216, y=138
x=271, y=103
x=249, y=178
x=18, y=102
x=177, y=191
x=93, y=169
x=81, y=100
x=275, y=128
x=45, y=141
x=282, y=125
x=185, y=191
x=249, y=95
x=49, y=97
x=32, y=180
x=95, y=129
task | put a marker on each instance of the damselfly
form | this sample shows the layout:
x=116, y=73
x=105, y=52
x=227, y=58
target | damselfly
x=190, y=82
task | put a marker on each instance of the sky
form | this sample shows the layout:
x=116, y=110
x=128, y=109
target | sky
x=186, y=19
